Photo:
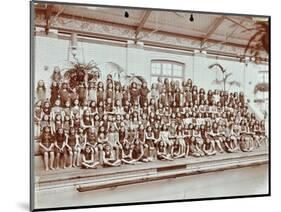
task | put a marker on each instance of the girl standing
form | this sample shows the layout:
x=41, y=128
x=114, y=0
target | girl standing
x=92, y=92
x=54, y=92
x=71, y=144
x=41, y=91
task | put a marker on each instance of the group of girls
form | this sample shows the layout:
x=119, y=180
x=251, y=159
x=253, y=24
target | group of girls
x=93, y=123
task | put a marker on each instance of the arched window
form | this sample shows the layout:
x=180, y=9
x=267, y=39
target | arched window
x=167, y=69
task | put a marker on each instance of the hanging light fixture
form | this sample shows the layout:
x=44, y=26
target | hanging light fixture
x=126, y=14
x=191, y=18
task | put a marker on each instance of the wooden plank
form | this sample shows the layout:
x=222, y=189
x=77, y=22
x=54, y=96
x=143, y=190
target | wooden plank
x=174, y=173
x=141, y=24
x=218, y=21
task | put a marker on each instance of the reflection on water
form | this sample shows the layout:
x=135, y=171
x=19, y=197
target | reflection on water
x=242, y=181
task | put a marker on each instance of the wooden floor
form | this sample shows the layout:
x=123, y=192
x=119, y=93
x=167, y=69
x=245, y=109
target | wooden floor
x=85, y=179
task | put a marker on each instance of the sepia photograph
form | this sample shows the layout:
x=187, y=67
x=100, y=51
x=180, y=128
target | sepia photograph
x=141, y=105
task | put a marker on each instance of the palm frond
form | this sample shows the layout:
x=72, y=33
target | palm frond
x=217, y=82
x=227, y=76
x=217, y=65
x=234, y=82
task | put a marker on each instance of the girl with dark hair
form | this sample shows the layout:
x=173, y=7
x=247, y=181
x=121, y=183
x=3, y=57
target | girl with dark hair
x=82, y=92
x=66, y=111
x=118, y=94
x=54, y=92
x=125, y=95
x=100, y=92
x=144, y=91
x=215, y=134
x=56, y=109
x=134, y=93
x=92, y=92
x=154, y=92
x=67, y=123
x=60, y=150
x=126, y=153
x=164, y=136
x=38, y=115
x=56, y=76
x=209, y=142
x=88, y=159
x=64, y=93
x=41, y=91
x=150, y=142
x=46, y=147
x=75, y=109
x=246, y=140
x=162, y=152
x=46, y=108
x=93, y=109
x=138, y=150
x=87, y=120
x=108, y=157
x=109, y=91
x=57, y=123
x=45, y=122
x=81, y=144
x=71, y=144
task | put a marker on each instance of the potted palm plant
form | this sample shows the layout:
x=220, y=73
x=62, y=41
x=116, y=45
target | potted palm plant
x=258, y=44
x=225, y=80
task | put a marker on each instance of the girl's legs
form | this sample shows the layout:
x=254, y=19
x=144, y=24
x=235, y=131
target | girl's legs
x=52, y=158
x=212, y=150
x=78, y=157
x=64, y=159
x=196, y=154
x=74, y=159
x=99, y=153
x=117, y=163
x=218, y=143
x=70, y=159
x=46, y=161
x=58, y=160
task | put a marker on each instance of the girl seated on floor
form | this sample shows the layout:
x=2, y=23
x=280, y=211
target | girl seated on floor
x=209, y=142
x=108, y=157
x=113, y=138
x=246, y=141
x=216, y=136
x=88, y=159
x=164, y=136
x=195, y=147
x=197, y=134
x=126, y=153
x=138, y=150
x=177, y=150
x=162, y=152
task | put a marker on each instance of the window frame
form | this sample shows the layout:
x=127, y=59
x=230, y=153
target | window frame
x=172, y=63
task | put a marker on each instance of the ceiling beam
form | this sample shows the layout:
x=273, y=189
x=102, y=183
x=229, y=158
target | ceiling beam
x=143, y=20
x=218, y=21
x=236, y=22
x=179, y=35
